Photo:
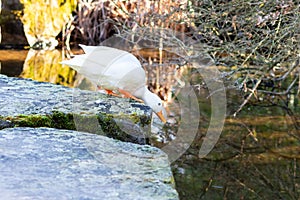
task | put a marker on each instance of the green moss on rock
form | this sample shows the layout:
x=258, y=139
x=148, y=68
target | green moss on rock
x=62, y=121
x=30, y=121
x=111, y=125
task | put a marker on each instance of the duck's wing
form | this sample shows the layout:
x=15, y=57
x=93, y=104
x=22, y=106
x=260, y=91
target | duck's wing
x=109, y=68
x=87, y=66
x=126, y=73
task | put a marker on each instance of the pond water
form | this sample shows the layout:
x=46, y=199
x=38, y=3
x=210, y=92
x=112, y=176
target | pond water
x=256, y=157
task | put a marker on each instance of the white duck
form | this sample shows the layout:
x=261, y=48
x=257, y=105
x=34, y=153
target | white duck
x=118, y=72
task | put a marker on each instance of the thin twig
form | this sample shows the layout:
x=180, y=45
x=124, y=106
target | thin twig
x=248, y=98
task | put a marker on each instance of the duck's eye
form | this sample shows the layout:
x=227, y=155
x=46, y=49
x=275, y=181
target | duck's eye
x=159, y=104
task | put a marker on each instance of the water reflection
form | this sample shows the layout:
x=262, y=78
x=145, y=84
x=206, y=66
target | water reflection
x=43, y=65
x=254, y=152
x=40, y=65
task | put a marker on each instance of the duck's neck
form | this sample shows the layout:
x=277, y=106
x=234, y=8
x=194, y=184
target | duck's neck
x=142, y=93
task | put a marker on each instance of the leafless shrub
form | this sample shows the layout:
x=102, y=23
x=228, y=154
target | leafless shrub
x=257, y=41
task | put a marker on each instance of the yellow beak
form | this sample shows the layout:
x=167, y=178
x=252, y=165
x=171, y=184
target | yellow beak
x=161, y=116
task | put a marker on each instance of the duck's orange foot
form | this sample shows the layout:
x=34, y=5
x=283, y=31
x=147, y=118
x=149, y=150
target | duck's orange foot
x=122, y=93
x=128, y=95
x=109, y=92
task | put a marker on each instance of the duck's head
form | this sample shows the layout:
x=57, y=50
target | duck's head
x=155, y=103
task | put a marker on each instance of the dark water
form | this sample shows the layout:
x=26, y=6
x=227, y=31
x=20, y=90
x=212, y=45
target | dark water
x=12, y=62
x=256, y=157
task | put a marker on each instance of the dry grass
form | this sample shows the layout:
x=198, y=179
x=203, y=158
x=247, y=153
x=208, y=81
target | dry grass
x=97, y=20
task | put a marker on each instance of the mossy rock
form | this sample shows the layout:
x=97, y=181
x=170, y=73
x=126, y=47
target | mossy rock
x=28, y=103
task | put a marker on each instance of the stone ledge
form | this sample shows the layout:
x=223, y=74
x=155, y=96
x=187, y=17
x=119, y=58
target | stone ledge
x=46, y=163
x=29, y=103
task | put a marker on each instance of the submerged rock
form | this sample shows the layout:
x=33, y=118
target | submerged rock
x=46, y=163
x=29, y=103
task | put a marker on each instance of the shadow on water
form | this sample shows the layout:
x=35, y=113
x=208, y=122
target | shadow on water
x=256, y=157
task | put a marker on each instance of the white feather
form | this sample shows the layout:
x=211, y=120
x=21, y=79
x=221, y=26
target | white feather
x=112, y=68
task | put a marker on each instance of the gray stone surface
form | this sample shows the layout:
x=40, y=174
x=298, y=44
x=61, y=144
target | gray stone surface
x=70, y=108
x=46, y=163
